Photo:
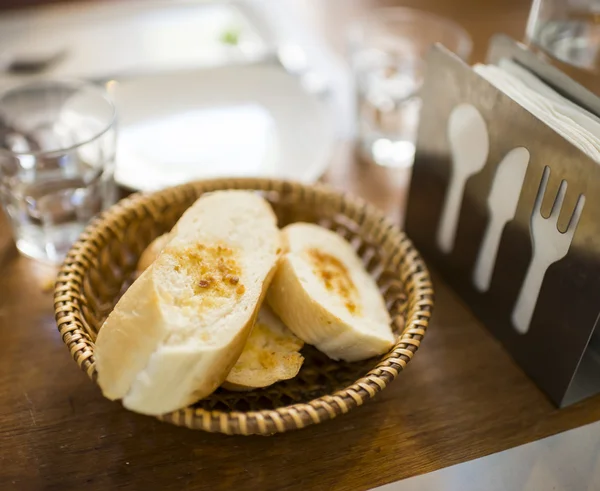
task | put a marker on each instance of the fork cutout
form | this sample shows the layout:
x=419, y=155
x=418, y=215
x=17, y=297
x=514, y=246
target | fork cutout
x=549, y=246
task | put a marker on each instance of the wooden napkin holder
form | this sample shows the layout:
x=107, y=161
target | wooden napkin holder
x=559, y=351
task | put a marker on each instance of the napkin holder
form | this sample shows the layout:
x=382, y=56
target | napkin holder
x=556, y=351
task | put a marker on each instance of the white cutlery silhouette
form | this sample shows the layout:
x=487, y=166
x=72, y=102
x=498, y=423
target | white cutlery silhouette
x=502, y=206
x=549, y=245
x=469, y=147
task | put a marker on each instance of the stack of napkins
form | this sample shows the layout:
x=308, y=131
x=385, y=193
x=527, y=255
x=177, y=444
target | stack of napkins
x=572, y=122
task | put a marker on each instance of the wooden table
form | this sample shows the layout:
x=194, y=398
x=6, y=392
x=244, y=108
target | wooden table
x=461, y=398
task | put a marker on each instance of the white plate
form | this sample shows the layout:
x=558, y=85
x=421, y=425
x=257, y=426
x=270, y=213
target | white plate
x=100, y=39
x=232, y=121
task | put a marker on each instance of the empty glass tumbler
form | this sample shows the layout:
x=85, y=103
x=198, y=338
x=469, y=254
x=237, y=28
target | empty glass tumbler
x=387, y=57
x=568, y=30
x=57, y=152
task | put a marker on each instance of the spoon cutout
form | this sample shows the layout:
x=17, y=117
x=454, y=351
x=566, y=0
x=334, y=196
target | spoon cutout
x=469, y=147
x=502, y=205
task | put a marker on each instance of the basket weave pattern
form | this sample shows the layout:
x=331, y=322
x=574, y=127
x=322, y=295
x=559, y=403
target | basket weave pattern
x=100, y=265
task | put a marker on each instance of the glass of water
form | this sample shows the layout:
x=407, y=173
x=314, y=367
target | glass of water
x=57, y=150
x=567, y=30
x=387, y=56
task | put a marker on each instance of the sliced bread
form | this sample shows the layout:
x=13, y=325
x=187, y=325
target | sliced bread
x=151, y=252
x=323, y=293
x=178, y=330
x=272, y=352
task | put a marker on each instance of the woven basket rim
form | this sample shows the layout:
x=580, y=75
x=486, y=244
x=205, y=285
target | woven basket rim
x=69, y=317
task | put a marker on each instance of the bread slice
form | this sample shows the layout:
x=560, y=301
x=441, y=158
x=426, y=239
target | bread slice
x=323, y=293
x=151, y=252
x=272, y=352
x=178, y=330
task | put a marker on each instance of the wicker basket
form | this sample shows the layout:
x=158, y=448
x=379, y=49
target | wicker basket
x=100, y=265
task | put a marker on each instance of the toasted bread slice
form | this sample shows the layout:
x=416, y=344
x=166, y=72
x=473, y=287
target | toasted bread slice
x=178, y=330
x=272, y=352
x=323, y=293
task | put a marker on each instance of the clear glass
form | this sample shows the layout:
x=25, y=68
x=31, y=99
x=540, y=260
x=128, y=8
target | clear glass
x=57, y=152
x=387, y=56
x=567, y=30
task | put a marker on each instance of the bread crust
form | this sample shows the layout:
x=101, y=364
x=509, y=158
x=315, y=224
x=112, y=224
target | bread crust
x=346, y=320
x=245, y=379
x=150, y=351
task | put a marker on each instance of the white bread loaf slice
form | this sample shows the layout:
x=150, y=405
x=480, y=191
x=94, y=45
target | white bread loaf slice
x=272, y=352
x=178, y=330
x=151, y=252
x=323, y=293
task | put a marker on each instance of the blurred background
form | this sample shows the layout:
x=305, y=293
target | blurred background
x=187, y=89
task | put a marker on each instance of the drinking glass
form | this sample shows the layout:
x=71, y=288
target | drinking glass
x=387, y=56
x=568, y=30
x=566, y=33
x=57, y=150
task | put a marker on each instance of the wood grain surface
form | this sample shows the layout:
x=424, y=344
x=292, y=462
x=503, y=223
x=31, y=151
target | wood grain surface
x=462, y=397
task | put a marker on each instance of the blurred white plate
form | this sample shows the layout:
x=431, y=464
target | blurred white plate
x=251, y=120
x=98, y=39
